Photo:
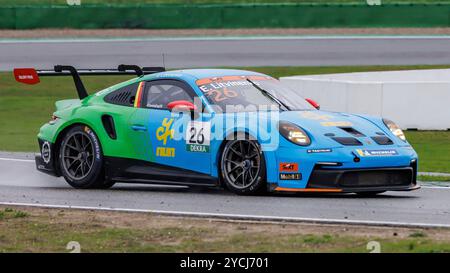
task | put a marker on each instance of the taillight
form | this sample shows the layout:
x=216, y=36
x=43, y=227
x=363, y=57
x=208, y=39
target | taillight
x=53, y=120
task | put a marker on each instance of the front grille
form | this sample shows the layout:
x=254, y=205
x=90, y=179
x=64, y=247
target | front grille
x=347, y=141
x=361, y=178
x=382, y=140
x=376, y=178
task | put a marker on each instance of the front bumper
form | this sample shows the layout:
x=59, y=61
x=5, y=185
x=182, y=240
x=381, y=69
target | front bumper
x=363, y=180
x=359, y=180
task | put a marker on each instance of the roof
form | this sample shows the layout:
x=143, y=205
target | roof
x=208, y=73
x=186, y=74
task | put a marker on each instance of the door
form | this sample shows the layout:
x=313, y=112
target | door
x=172, y=139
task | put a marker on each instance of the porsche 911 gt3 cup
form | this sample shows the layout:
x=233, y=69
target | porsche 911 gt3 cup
x=239, y=129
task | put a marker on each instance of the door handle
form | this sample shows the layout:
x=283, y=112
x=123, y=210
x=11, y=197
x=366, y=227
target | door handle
x=139, y=128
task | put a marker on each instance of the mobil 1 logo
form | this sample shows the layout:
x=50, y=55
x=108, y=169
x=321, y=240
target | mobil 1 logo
x=198, y=136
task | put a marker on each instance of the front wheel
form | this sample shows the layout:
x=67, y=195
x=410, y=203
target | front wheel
x=243, y=167
x=81, y=159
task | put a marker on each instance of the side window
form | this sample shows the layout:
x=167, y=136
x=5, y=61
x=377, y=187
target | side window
x=159, y=93
x=123, y=96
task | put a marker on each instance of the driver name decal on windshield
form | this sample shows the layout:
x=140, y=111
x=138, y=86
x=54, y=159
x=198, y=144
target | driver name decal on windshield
x=220, y=89
x=250, y=93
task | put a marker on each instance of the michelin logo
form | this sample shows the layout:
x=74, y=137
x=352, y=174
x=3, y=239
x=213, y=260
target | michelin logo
x=387, y=152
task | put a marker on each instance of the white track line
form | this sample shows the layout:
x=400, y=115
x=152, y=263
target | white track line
x=226, y=38
x=435, y=187
x=241, y=216
x=16, y=159
x=32, y=161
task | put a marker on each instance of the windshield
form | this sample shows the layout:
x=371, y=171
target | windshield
x=251, y=93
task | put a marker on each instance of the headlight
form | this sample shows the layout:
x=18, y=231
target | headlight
x=394, y=129
x=294, y=134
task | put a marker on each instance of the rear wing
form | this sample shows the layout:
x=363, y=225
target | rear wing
x=31, y=75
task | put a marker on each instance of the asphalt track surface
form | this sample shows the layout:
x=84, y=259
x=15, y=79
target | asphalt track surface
x=226, y=51
x=21, y=184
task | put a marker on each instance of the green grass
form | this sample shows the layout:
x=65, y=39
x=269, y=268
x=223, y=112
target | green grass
x=434, y=178
x=24, y=108
x=9, y=213
x=63, y=2
x=50, y=231
x=433, y=148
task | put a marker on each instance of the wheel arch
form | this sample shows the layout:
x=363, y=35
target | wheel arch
x=59, y=137
x=221, y=148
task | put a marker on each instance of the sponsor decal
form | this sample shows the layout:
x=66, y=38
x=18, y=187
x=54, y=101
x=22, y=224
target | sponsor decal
x=158, y=106
x=163, y=133
x=165, y=151
x=290, y=176
x=88, y=131
x=26, y=75
x=288, y=167
x=315, y=116
x=46, y=152
x=198, y=137
x=221, y=88
x=367, y=153
x=316, y=151
x=336, y=123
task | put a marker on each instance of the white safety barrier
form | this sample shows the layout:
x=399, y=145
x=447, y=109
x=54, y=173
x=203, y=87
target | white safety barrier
x=414, y=99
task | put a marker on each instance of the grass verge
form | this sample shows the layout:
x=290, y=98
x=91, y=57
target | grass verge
x=23, y=109
x=50, y=230
x=433, y=178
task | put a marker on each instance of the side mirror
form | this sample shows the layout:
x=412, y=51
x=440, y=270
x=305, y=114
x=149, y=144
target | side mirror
x=313, y=103
x=183, y=106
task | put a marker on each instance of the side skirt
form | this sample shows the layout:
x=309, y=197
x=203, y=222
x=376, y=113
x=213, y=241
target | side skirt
x=125, y=170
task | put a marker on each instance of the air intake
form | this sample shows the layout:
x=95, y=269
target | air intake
x=347, y=141
x=124, y=96
x=382, y=140
x=108, y=124
x=352, y=131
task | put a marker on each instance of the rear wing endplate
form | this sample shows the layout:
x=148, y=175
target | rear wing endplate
x=31, y=75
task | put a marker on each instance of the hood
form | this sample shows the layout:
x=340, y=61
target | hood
x=339, y=129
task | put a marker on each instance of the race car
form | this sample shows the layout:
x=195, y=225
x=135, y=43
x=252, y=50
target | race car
x=242, y=130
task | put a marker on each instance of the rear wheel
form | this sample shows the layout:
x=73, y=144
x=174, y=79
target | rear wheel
x=243, y=167
x=81, y=159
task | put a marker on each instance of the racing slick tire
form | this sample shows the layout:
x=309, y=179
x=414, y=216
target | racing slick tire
x=243, y=168
x=81, y=159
